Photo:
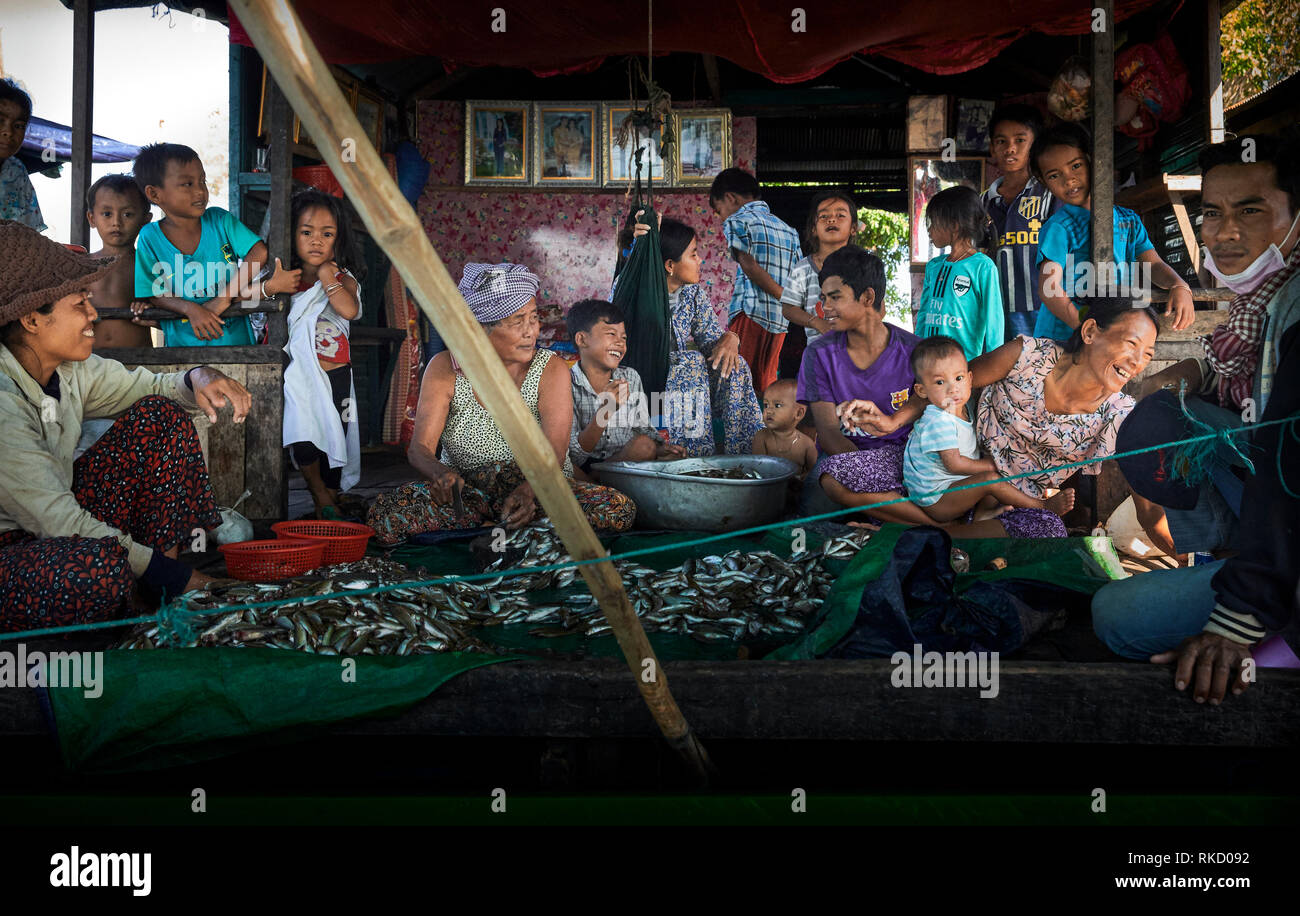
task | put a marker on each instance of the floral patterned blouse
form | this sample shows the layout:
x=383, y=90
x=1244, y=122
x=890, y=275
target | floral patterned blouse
x=1021, y=435
x=694, y=323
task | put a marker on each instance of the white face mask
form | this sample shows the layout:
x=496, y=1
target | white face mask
x=1263, y=267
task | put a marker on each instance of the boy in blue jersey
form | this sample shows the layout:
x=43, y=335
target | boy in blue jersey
x=1061, y=160
x=1019, y=204
x=189, y=261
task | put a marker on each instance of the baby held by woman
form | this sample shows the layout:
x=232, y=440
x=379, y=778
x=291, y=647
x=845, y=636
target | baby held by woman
x=942, y=451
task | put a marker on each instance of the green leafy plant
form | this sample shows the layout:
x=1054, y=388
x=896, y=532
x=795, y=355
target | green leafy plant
x=1261, y=47
x=886, y=234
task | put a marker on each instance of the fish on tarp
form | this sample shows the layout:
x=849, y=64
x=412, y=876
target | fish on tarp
x=375, y=606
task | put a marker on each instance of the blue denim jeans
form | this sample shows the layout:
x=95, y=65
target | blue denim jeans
x=1154, y=611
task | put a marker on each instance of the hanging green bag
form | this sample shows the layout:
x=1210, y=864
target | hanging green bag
x=642, y=294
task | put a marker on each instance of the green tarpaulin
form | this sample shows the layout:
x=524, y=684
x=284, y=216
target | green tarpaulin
x=175, y=706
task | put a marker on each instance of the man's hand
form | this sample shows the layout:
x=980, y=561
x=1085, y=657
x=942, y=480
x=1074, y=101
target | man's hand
x=726, y=354
x=1181, y=307
x=519, y=507
x=666, y=451
x=213, y=389
x=1214, y=659
x=206, y=325
x=821, y=326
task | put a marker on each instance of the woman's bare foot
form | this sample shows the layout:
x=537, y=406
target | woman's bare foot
x=984, y=513
x=1061, y=503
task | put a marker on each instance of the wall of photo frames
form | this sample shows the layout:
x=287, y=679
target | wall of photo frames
x=563, y=226
x=589, y=144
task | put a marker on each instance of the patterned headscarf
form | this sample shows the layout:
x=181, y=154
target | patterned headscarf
x=496, y=291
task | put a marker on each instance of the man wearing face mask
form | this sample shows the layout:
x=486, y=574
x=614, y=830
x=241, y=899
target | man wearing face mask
x=1206, y=618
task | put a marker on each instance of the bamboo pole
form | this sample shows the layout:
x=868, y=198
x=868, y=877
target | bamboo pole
x=1103, y=138
x=302, y=75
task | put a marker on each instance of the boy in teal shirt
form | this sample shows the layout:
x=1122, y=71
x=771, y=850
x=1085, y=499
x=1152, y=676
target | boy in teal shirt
x=188, y=262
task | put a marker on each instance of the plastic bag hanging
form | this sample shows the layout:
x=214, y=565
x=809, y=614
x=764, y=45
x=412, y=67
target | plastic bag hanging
x=642, y=294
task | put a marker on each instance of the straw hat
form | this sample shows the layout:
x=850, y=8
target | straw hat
x=38, y=271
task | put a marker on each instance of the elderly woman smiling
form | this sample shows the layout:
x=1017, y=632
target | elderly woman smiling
x=75, y=536
x=475, y=480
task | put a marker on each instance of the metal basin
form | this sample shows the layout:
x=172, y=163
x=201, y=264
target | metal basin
x=667, y=499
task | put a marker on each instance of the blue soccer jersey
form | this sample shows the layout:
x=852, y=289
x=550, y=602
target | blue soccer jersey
x=1018, y=222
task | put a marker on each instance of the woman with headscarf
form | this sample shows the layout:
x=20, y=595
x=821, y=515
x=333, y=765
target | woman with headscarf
x=77, y=535
x=474, y=480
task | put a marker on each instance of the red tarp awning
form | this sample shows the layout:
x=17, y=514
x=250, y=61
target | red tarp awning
x=570, y=36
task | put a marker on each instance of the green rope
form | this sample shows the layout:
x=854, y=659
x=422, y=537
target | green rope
x=174, y=618
x=1193, y=461
x=1281, y=438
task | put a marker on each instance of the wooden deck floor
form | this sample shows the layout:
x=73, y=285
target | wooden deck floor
x=1048, y=702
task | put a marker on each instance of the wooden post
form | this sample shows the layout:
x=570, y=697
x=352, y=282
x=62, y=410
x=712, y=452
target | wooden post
x=83, y=98
x=280, y=163
x=297, y=66
x=265, y=433
x=236, y=194
x=1214, y=69
x=1103, y=137
x=1103, y=168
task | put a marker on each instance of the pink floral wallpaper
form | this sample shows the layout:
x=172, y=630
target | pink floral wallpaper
x=567, y=238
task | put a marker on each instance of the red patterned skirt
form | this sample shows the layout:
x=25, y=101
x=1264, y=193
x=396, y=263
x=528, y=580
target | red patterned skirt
x=145, y=476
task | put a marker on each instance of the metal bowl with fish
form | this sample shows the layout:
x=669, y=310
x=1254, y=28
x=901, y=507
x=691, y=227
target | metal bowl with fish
x=719, y=493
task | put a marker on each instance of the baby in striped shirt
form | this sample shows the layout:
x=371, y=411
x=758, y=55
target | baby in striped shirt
x=943, y=452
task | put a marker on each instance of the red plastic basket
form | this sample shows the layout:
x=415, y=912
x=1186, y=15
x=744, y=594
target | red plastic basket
x=267, y=561
x=319, y=177
x=343, y=541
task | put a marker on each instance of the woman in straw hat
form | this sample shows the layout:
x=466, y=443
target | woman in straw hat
x=475, y=480
x=76, y=536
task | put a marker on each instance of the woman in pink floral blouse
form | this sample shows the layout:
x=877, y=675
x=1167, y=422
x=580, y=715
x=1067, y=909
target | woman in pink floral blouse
x=1045, y=403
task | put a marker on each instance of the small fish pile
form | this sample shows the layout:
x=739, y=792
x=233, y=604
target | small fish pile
x=743, y=594
x=723, y=474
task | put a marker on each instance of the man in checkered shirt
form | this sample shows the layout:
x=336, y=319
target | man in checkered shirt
x=1207, y=618
x=765, y=250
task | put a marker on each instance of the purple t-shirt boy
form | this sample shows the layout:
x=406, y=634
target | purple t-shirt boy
x=828, y=373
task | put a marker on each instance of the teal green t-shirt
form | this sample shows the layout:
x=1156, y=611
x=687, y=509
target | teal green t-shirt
x=162, y=270
x=963, y=300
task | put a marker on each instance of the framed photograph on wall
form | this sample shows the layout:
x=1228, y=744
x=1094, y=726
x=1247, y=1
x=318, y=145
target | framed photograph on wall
x=566, y=144
x=973, y=124
x=927, y=176
x=618, y=166
x=370, y=112
x=927, y=122
x=497, y=143
x=703, y=144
